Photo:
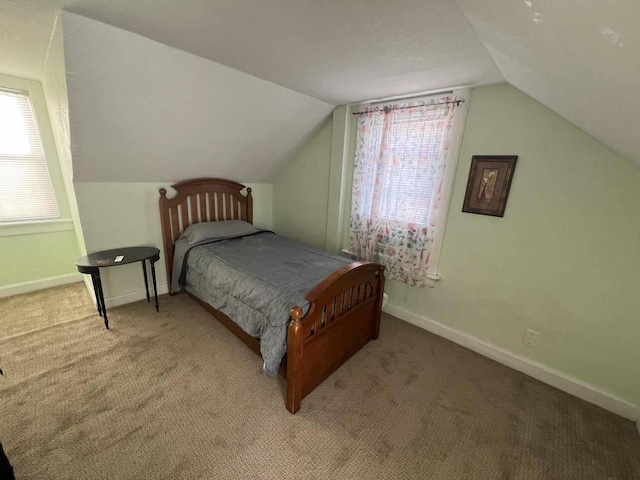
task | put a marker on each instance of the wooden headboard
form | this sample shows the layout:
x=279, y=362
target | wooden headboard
x=200, y=200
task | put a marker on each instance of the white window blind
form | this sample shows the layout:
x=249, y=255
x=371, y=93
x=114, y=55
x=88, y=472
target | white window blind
x=26, y=192
x=407, y=166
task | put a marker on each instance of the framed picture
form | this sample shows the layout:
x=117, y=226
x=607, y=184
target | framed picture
x=489, y=183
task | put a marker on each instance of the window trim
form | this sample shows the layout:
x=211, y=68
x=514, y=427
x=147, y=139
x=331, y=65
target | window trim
x=455, y=148
x=40, y=226
x=33, y=89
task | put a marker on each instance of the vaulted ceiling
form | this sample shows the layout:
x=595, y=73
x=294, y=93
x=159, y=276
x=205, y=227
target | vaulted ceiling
x=338, y=52
x=140, y=111
x=579, y=59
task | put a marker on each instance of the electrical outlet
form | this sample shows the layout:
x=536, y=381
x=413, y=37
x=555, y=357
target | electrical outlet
x=531, y=337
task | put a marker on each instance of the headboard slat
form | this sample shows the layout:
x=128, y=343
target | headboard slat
x=184, y=214
x=203, y=206
x=175, y=226
x=193, y=203
x=224, y=199
x=227, y=206
x=220, y=206
x=212, y=206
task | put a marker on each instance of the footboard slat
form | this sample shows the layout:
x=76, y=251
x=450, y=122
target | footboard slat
x=317, y=328
x=344, y=314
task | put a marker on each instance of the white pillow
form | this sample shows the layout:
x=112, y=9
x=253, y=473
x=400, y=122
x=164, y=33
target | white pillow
x=199, y=232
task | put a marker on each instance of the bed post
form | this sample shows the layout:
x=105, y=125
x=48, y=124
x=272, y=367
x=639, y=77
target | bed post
x=376, y=328
x=167, y=236
x=249, y=206
x=295, y=342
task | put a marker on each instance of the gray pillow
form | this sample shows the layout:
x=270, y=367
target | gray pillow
x=209, y=230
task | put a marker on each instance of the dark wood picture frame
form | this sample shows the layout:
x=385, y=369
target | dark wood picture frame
x=489, y=184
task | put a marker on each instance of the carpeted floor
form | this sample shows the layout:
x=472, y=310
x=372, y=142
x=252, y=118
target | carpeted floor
x=174, y=395
x=33, y=311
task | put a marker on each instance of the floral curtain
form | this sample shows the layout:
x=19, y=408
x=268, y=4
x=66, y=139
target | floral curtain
x=400, y=163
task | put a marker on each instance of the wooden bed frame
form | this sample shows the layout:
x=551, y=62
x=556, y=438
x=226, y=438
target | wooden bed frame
x=345, y=308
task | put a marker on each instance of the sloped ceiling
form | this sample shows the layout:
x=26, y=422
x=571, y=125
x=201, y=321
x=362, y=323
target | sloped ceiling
x=25, y=30
x=578, y=58
x=142, y=111
x=339, y=52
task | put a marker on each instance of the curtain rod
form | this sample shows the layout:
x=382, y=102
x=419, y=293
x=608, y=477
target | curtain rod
x=408, y=96
x=457, y=103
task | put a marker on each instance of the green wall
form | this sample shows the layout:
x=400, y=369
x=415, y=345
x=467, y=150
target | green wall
x=301, y=192
x=27, y=258
x=564, y=261
x=39, y=256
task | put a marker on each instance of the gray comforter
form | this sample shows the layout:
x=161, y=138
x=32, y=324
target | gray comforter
x=255, y=280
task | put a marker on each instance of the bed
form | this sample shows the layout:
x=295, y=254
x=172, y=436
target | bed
x=318, y=331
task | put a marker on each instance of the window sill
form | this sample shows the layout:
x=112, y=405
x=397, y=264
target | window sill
x=432, y=278
x=345, y=253
x=30, y=228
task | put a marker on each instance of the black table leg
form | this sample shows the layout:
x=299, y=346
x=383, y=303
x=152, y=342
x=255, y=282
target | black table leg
x=95, y=290
x=146, y=282
x=155, y=286
x=104, y=307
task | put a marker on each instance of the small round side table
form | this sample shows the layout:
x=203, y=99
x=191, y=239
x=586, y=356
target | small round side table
x=92, y=263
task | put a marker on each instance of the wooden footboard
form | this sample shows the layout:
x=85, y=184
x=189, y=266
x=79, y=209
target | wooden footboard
x=343, y=316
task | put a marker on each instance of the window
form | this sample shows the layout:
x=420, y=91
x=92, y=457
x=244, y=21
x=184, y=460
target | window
x=26, y=191
x=402, y=173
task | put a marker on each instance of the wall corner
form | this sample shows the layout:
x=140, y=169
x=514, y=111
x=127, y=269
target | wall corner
x=340, y=134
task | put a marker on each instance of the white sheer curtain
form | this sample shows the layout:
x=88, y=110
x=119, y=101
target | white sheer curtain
x=400, y=163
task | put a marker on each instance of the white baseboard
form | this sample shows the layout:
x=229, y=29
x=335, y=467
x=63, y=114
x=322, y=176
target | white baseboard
x=32, y=286
x=539, y=371
x=129, y=297
x=133, y=296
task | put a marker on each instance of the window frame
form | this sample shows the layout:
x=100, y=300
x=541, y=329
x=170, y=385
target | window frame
x=454, y=153
x=34, y=91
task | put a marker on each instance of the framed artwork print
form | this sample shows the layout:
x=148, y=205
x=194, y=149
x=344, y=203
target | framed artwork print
x=489, y=183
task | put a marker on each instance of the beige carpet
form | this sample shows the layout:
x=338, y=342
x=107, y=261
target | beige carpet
x=174, y=395
x=21, y=313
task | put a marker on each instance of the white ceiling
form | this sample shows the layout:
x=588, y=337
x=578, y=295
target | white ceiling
x=25, y=30
x=338, y=52
x=578, y=58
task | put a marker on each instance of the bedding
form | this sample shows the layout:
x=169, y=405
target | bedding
x=255, y=279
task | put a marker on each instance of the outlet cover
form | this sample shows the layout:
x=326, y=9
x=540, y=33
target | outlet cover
x=531, y=338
